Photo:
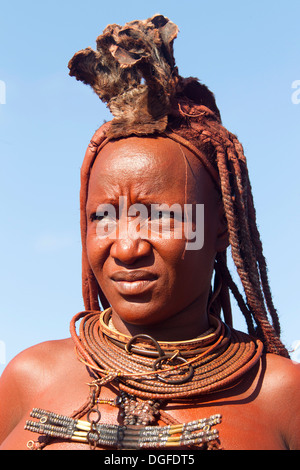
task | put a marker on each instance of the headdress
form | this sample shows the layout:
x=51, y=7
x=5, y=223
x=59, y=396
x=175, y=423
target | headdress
x=133, y=71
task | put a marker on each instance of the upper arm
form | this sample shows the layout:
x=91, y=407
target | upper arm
x=293, y=403
x=27, y=376
x=19, y=383
x=10, y=399
x=280, y=397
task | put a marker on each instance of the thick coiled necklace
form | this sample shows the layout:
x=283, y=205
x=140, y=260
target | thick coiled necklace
x=150, y=369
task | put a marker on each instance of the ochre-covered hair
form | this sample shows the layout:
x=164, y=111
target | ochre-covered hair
x=133, y=70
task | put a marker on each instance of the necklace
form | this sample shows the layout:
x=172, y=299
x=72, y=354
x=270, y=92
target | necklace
x=147, y=374
x=149, y=369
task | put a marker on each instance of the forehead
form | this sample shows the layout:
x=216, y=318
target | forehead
x=148, y=165
x=133, y=155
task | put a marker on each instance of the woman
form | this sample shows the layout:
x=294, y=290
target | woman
x=164, y=191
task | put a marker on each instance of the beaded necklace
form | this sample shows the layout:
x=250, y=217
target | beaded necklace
x=147, y=374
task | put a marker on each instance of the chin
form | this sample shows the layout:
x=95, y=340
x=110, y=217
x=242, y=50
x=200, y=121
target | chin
x=139, y=313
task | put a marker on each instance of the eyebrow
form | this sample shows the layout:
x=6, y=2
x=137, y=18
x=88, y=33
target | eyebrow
x=141, y=199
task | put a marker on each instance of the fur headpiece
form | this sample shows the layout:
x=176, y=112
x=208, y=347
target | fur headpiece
x=133, y=71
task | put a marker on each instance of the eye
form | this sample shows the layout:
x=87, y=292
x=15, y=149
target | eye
x=104, y=212
x=161, y=215
x=162, y=221
x=105, y=222
x=165, y=220
x=99, y=216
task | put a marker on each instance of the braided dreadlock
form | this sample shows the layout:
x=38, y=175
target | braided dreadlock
x=225, y=152
x=133, y=71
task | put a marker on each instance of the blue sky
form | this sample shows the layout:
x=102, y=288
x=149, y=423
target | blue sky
x=246, y=52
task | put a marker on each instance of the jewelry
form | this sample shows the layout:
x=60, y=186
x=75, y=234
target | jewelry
x=178, y=370
x=148, y=373
x=123, y=437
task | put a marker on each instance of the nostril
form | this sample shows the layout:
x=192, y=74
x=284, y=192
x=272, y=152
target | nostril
x=128, y=250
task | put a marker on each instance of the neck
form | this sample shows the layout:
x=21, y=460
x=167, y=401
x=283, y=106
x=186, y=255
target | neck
x=187, y=324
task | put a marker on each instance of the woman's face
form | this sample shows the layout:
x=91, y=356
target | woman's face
x=138, y=255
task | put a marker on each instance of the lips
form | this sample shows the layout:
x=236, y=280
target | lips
x=132, y=276
x=133, y=282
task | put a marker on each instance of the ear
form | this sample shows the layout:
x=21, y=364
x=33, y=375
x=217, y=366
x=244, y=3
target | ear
x=222, y=240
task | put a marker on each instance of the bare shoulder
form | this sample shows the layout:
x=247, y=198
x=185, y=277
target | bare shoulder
x=282, y=372
x=281, y=391
x=27, y=375
x=34, y=362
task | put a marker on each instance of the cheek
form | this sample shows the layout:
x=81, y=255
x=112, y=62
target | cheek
x=168, y=254
x=97, y=251
x=177, y=267
x=211, y=224
x=194, y=268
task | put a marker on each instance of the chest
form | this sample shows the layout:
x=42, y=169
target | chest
x=245, y=424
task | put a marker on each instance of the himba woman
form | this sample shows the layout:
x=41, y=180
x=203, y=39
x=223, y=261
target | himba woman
x=154, y=362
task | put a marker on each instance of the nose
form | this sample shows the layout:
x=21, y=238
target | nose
x=129, y=250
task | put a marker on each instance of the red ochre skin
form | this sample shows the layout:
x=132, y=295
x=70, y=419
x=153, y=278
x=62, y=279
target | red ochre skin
x=260, y=412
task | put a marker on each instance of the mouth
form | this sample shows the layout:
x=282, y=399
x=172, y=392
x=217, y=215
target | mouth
x=133, y=282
